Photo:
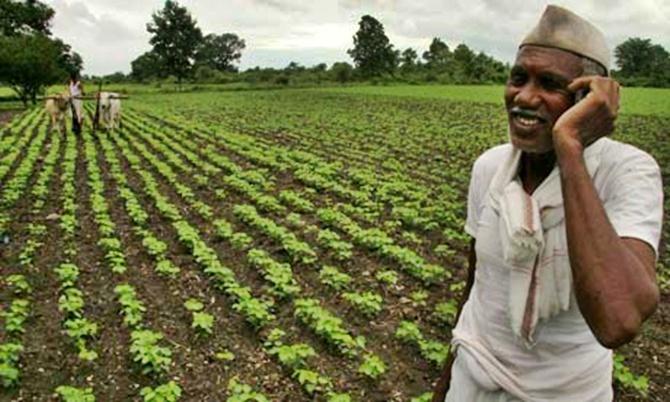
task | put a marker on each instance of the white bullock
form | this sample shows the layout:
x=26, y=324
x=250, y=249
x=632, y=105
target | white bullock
x=110, y=110
x=57, y=107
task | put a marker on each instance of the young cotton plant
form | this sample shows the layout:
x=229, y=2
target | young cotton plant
x=445, y=312
x=16, y=316
x=311, y=381
x=433, y=351
x=81, y=329
x=74, y=394
x=627, y=379
x=332, y=277
x=151, y=357
x=328, y=326
x=388, y=277
x=167, y=268
x=131, y=307
x=169, y=392
x=373, y=366
x=71, y=302
x=19, y=284
x=202, y=322
x=278, y=274
x=368, y=303
x=67, y=275
x=9, y=359
x=292, y=356
x=257, y=312
x=240, y=392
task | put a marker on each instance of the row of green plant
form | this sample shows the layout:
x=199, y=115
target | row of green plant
x=298, y=250
x=434, y=351
x=366, y=302
x=71, y=301
x=256, y=311
x=28, y=145
x=280, y=274
x=145, y=348
x=430, y=272
x=15, y=131
x=411, y=201
x=20, y=307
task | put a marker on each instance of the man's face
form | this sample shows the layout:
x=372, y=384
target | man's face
x=536, y=95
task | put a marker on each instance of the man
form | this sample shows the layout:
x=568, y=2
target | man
x=565, y=223
x=76, y=90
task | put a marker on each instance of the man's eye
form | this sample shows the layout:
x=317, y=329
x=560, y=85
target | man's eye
x=551, y=84
x=517, y=79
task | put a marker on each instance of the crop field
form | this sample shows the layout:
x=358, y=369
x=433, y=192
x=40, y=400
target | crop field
x=289, y=245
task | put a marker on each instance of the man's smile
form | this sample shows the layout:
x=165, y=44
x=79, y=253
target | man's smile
x=525, y=120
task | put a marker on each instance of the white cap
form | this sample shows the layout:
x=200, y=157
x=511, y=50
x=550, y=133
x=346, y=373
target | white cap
x=562, y=29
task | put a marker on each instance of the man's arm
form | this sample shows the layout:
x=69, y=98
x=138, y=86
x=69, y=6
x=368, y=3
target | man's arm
x=614, y=278
x=442, y=385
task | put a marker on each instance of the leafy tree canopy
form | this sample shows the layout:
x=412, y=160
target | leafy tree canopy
x=175, y=38
x=639, y=57
x=220, y=52
x=22, y=17
x=147, y=66
x=28, y=63
x=408, y=58
x=438, y=54
x=373, y=53
x=29, y=58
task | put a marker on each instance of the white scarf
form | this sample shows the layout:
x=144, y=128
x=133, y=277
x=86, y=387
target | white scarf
x=534, y=243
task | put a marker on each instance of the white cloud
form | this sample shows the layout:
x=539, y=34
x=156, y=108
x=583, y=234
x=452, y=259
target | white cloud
x=109, y=34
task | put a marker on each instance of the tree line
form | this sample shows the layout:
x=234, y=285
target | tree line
x=31, y=58
x=181, y=52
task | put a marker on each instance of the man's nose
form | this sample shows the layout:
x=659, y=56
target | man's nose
x=528, y=96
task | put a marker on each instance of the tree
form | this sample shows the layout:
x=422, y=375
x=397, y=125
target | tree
x=220, y=51
x=71, y=62
x=147, y=66
x=342, y=72
x=175, y=39
x=638, y=57
x=29, y=58
x=438, y=54
x=373, y=53
x=294, y=67
x=28, y=63
x=408, y=59
x=465, y=63
x=23, y=17
x=642, y=63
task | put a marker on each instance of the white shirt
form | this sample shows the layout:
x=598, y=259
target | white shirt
x=567, y=362
x=75, y=88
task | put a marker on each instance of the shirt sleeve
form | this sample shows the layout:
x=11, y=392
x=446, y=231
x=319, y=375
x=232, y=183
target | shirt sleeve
x=635, y=203
x=474, y=199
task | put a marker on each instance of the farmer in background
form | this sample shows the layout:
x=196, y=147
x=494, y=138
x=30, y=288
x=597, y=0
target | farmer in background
x=76, y=90
x=566, y=225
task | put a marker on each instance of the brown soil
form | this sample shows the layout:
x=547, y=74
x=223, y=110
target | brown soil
x=7, y=115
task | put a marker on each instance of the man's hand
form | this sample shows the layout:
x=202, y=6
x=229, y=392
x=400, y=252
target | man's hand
x=592, y=117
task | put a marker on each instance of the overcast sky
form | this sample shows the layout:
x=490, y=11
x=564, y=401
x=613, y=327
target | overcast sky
x=109, y=34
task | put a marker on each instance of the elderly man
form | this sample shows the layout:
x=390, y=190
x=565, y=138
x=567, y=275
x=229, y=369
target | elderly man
x=565, y=223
